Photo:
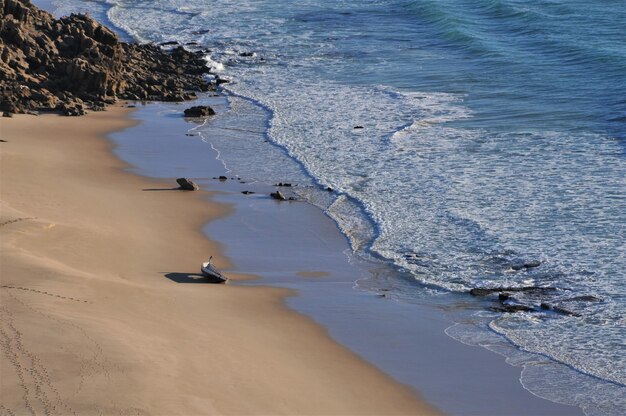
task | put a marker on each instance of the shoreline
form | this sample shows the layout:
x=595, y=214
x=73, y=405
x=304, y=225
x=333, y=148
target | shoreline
x=319, y=305
x=307, y=255
x=92, y=289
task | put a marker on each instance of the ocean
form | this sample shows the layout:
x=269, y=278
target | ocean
x=462, y=139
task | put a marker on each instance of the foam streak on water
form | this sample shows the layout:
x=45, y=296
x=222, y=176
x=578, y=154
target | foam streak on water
x=491, y=133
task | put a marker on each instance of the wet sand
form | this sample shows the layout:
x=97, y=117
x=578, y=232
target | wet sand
x=103, y=310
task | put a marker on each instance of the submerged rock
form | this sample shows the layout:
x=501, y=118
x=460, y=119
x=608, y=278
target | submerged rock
x=489, y=291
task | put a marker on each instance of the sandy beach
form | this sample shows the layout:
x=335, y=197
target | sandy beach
x=103, y=311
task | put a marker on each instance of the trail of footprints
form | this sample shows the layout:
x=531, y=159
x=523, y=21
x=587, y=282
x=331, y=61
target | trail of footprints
x=2, y=224
x=43, y=293
x=37, y=401
x=38, y=393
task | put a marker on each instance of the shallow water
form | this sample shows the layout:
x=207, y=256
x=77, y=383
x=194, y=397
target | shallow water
x=493, y=135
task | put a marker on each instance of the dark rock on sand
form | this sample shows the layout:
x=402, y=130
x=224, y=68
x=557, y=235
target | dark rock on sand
x=222, y=178
x=283, y=184
x=187, y=184
x=199, y=111
x=7, y=114
x=68, y=64
x=247, y=192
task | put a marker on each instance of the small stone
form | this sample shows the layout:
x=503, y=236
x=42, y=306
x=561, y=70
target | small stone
x=222, y=178
x=247, y=192
x=358, y=127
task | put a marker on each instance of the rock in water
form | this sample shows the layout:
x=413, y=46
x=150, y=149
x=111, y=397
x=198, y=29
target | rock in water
x=199, y=111
x=187, y=184
x=278, y=195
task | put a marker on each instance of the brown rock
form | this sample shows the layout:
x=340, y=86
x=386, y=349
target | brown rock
x=187, y=184
x=75, y=57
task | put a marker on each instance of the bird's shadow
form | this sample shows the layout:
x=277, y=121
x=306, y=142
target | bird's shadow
x=189, y=278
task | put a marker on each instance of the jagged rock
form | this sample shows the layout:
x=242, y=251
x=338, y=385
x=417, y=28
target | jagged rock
x=558, y=309
x=512, y=308
x=199, y=111
x=358, y=127
x=187, y=184
x=489, y=291
x=45, y=61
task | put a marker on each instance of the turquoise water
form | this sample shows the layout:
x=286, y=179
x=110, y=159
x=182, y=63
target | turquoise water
x=493, y=134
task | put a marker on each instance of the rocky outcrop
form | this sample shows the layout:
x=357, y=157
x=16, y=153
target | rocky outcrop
x=73, y=64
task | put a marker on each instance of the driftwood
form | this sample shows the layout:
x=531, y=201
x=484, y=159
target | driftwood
x=210, y=272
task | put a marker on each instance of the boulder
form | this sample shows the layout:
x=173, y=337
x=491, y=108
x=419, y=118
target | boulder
x=199, y=111
x=187, y=184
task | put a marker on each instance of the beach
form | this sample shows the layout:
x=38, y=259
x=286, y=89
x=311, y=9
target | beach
x=419, y=208
x=104, y=310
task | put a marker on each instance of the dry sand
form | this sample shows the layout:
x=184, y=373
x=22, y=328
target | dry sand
x=100, y=311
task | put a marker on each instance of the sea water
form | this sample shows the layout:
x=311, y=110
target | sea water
x=462, y=139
